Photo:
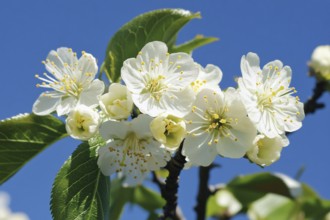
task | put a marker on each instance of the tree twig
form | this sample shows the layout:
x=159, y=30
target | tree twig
x=174, y=166
x=312, y=104
x=203, y=191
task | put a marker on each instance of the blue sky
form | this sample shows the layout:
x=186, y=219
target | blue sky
x=281, y=29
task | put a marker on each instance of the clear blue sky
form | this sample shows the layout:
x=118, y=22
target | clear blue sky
x=277, y=29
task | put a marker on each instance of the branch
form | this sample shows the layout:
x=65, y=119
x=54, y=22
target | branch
x=169, y=193
x=311, y=105
x=203, y=191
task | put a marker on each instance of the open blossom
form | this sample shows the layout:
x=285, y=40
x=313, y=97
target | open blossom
x=268, y=98
x=131, y=150
x=168, y=130
x=159, y=81
x=72, y=81
x=266, y=151
x=82, y=123
x=320, y=62
x=208, y=77
x=117, y=103
x=217, y=124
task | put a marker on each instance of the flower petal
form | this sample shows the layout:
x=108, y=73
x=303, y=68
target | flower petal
x=67, y=56
x=178, y=103
x=198, y=151
x=231, y=149
x=131, y=75
x=141, y=126
x=66, y=105
x=87, y=65
x=45, y=104
x=114, y=130
x=90, y=96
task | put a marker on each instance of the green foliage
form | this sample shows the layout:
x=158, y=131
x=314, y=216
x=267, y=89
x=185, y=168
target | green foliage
x=80, y=190
x=189, y=46
x=23, y=137
x=212, y=207
x=160, y=25
x=266, y=196
x=312, y=205
x=274, y=207
x=144, y=197
x=252, y=187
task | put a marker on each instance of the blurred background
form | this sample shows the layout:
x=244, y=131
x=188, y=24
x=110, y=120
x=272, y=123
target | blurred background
x=281, y=29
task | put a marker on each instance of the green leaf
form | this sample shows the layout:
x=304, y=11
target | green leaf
x=119, y=197
x=212, y=207
x=314, y=207
x=144, y=197
x=160, y=25
x=198, y=41
x=23, y=137
x=274, y=207
x=80, y=190
x=252, y=187
x=147, y=199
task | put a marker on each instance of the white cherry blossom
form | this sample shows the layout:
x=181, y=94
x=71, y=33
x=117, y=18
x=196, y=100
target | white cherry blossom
x=217, y=124
x=117, y=103
x=82, y=123
x=131, y=150
x=159, y=81
x=71, y=80
x=266, y=151
x=268, y=98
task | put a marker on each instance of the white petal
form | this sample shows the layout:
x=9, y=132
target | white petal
x=231, y=149
x=87, y=65
x=54, y=64
x=250, y=67
x=212, y=74
x=198, y=151
x=154, y=50
x=131, y=75
x=67, y=56
x=45, y=104
x=181, y=70
x=178, y=103
x=90, y=96
x=104, y=161
x=114, y=130
x=66, y=105
x=147, y=104
x=141, y=126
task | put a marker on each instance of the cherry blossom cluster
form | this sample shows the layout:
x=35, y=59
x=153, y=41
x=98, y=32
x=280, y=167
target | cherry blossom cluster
x=166, y=101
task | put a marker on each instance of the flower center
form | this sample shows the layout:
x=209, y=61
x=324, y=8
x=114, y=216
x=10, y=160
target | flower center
x=220, y=125
x=266, y=99
x=155, y=87
x=65, y=84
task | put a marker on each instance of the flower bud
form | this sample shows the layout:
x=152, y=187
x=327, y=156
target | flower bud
x=117, y=103
x=320, y=62
x=82, y=123
x=168, y=130
x=266, y=150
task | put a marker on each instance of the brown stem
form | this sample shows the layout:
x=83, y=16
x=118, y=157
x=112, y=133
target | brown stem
x=311, y=105
x=174, y=166
x=203, y=191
